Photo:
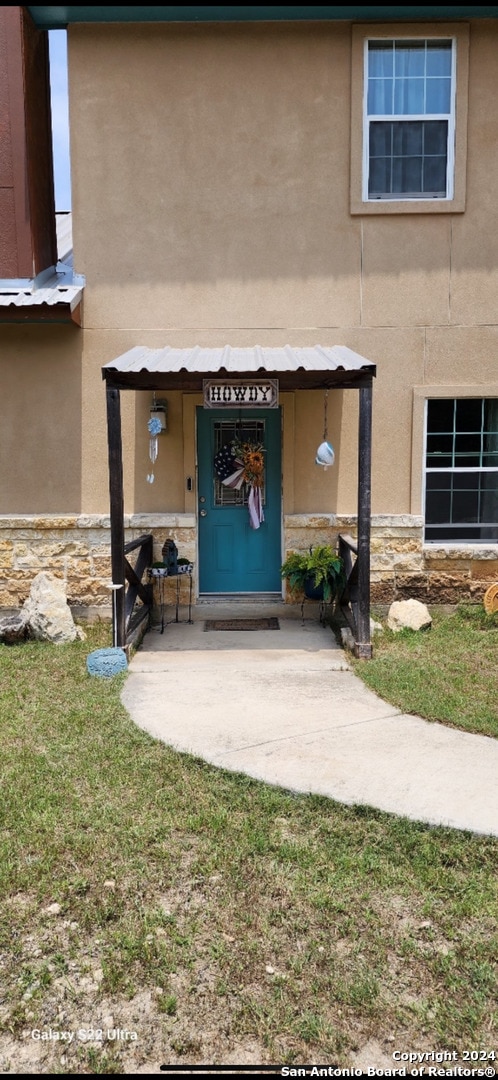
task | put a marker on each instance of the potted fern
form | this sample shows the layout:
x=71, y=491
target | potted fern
x=318, y=573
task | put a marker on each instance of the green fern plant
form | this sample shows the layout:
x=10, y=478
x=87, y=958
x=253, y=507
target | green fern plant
x=321, y=566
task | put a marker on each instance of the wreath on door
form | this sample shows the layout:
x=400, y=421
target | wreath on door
x=242, y=462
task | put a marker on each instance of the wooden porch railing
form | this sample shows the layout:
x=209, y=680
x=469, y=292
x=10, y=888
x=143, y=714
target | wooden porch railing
x=135, y=619
x=355, y=612
x=348, y=599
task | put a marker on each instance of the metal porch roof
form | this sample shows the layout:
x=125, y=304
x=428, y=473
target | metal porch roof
x=31, y=297
x=53, y=303
x=58, y=287
x=142, y=367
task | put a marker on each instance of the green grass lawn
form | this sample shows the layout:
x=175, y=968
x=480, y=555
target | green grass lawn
x=448, y=673
x=218, y=919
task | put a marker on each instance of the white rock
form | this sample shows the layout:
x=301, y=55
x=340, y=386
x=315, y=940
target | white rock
x=347, y=637
x=13, y=629
x=47, y=613
x=53, y=909
x=411, y=614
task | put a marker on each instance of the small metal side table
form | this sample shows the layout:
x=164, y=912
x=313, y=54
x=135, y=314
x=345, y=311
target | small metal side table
x=160, y=574
x=182, y=570
x=322, y=610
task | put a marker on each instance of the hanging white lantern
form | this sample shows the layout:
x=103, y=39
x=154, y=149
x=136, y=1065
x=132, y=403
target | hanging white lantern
x=325, y=455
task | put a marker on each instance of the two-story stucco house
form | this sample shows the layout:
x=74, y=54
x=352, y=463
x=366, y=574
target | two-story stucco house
x=284, y=226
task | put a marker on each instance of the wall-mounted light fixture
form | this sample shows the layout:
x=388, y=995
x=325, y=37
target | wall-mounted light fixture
x=159, y=411
x=156, y=425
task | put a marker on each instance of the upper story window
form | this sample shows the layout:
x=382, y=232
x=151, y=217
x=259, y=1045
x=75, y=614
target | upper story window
x=409, y=119
x=409, y=108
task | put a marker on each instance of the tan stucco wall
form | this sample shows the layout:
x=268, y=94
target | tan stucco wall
x=212, y=205
x=223, y=216
x=225, y=202
x=41, y=427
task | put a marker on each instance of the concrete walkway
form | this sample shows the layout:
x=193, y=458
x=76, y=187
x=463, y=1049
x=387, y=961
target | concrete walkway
x=284, y=706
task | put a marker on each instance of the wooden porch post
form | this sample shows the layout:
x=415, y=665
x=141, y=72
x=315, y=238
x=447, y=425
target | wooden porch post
x=117, y=513
x=363, y=647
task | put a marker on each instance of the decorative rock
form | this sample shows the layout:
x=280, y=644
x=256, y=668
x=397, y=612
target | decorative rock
x=106, y=662
x=347, y=637
x=47, y=612
x=13, y=629
x=53, y=909
x=410, y=614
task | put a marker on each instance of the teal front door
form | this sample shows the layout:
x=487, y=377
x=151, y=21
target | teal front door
x=234, y=557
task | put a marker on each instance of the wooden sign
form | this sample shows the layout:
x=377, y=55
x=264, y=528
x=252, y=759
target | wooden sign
x=240, y=393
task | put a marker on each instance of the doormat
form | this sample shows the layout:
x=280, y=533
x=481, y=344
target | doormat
x=242, y=624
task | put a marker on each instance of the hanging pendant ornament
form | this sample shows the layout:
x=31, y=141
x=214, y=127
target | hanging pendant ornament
x=154, y=427
x=325, y=454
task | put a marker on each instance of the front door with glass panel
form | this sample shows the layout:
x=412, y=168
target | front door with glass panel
x=239, y=522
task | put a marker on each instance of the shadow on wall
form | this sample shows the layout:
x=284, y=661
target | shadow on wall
x=41, y=430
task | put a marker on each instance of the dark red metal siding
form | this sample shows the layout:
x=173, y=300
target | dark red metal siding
x=28, y=241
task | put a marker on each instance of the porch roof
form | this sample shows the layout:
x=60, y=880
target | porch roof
x=315, y=366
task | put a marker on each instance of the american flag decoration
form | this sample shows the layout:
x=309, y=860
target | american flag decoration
x=230, y=468
x=224, y=462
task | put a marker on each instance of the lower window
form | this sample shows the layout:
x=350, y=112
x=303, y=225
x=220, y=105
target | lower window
x=461, y=478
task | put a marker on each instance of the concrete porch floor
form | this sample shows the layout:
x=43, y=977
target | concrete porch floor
x=285, y=707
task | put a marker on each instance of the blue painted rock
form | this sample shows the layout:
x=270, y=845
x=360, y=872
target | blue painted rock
x=106, y=662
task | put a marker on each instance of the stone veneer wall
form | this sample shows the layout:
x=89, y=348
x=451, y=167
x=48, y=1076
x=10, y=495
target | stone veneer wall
x=76, y=548
x=401, y=565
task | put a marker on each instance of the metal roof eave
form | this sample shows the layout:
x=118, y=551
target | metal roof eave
x=309, y=367
x=57, y=18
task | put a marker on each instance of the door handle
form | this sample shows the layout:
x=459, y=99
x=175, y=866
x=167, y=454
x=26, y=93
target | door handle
x=203, y=513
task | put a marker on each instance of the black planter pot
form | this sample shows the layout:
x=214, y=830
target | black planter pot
x=312, y=591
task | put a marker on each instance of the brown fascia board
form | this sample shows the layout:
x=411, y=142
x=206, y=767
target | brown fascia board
x=40, y=314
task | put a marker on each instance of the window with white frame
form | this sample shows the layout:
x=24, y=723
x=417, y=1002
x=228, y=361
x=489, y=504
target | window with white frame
x=409, y=120
x=461, y=470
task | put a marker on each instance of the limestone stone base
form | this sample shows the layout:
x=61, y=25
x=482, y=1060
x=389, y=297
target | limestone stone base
x=401, y=565
x=76, y=548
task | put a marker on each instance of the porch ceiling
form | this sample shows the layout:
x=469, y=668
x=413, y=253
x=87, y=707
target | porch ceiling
x=308, y=367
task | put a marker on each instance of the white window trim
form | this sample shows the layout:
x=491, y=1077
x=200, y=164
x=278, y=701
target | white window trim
x=367, y=119
x=459, y=34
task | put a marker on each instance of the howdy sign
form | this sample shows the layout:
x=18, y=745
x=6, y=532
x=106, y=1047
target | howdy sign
x=240, y=393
